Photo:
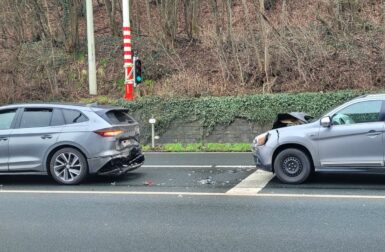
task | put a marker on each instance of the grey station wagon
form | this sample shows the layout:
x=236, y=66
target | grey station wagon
x=68, y=142
x=349, y=138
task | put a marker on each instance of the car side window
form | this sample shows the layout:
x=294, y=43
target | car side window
x=36, y=117
x=6, y=118
x=74, y=116
x=362, y=112
x=57, y=118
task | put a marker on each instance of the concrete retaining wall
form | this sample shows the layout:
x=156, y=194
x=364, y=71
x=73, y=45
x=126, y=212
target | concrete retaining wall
x=240, y=131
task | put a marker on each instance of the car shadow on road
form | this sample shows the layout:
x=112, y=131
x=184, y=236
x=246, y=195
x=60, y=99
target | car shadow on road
x=336, y=181
x=37, y=180
x=107, y=180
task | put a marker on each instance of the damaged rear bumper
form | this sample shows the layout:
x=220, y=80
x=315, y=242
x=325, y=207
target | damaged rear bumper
x=122, y=163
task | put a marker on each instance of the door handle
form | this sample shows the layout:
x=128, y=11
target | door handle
x=3, y=138
x=46, y=137
x=373, y=133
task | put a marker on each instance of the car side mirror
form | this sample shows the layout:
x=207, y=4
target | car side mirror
x=326, y=122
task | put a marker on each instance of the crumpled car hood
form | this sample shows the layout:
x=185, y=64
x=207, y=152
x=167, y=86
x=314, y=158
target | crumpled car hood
x=292, y=118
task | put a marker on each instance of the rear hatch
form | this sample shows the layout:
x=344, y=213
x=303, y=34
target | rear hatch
x=123, y=127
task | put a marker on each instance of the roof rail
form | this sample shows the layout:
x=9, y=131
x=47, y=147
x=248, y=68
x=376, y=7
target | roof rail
x=361, y=96
x=94, y=104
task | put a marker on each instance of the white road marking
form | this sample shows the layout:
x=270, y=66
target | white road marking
x=193, y=153
x=177, y=166
x=236, y=166
x=105, y=192
x=200, y=166
x=253, y=184
x=260, y=195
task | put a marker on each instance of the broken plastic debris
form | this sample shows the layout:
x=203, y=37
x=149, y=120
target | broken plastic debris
x=208, y=181
x=148, y=183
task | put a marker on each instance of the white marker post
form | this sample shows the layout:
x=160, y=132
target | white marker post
x=91, y=49
x=152, y=121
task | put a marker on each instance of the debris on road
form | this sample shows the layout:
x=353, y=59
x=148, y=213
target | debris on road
x=207, y=181
x=148, y=183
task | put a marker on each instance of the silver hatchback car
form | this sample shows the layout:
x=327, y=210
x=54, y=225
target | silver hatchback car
x=68, y=142
x=350, y=138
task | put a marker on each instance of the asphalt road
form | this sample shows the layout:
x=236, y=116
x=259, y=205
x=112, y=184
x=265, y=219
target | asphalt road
x=183, y=202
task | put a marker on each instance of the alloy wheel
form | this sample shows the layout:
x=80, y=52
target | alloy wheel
x=67, y=166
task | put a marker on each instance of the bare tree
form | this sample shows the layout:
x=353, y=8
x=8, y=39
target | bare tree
x=169, y=17
x=252, y=36
x=111, y=12
x=265, y=31
x=70, y=24
x=191, y=12
x=229, y=13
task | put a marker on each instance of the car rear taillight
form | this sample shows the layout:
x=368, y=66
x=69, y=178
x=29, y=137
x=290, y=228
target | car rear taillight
x=109, y=133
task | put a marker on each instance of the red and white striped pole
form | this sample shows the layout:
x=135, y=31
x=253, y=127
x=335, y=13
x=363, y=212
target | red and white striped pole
x=128, y=63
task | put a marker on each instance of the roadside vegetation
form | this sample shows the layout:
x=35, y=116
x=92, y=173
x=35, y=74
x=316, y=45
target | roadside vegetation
x=198, y=147
x=214, y=111
x=193, y=48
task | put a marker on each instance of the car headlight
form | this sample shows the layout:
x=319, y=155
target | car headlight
x=261, y=139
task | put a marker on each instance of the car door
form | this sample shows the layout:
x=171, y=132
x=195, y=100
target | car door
x=355, y=138
x=7, y=118
x=30, y=141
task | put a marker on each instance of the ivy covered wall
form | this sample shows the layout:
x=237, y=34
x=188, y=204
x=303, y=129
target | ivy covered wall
x=213, y=113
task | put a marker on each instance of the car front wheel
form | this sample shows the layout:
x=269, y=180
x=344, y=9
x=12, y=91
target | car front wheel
x=68, y=166
x=292, y=166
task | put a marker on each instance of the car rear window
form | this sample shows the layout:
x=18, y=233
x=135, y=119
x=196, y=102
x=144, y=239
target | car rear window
x=118, y=117
x=74, y=116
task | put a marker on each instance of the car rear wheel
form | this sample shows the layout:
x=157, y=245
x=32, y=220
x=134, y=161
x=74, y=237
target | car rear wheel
x=68, y=166
x=292, y=166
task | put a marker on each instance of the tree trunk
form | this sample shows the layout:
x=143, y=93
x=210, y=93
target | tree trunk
x=169, y=16
x=111, y=11
x=253, y=37
x=265, y=31
x=229, y=22
x=70, y=24
x=191, y=11
x=215, y=12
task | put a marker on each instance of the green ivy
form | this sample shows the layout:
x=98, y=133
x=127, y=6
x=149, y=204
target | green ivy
x=199, y=147
x=212, y=111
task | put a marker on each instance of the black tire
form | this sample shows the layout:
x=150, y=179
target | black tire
x=292, y=166
x=68, y=166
